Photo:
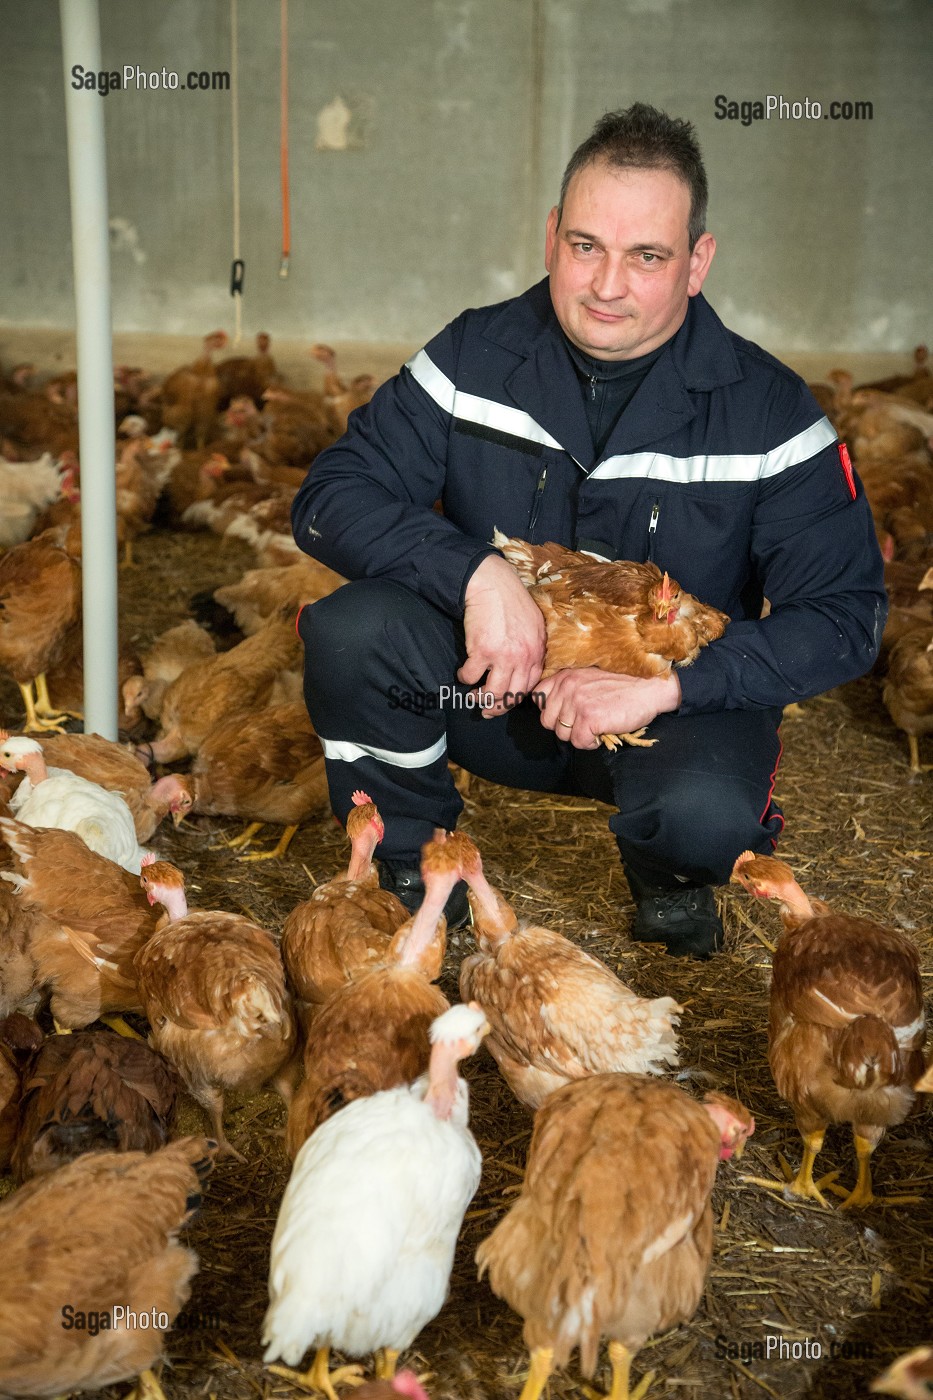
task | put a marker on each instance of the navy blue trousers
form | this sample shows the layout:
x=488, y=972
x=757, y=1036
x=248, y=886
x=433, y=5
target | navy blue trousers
x=382, y=693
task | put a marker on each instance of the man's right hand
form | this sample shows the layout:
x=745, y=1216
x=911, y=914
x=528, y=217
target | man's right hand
x=505, y=633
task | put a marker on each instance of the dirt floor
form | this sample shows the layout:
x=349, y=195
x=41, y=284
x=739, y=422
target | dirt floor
x=859, y=833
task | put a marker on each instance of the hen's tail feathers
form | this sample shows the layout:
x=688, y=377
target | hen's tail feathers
x=649, y=1040
x=866, y=1054
x=519, y=555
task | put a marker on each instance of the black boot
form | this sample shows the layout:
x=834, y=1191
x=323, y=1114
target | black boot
x=684, y=919
x=406, y=882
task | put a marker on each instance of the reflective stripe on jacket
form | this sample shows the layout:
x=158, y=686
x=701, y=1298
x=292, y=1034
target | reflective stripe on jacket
x=722, y=470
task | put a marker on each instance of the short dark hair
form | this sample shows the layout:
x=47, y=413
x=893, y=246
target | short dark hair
x=642, y=138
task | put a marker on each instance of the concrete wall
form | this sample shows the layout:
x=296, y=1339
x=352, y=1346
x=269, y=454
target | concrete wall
x=453, y=119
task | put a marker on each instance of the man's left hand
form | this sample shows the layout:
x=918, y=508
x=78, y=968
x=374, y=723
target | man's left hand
x=580, y=705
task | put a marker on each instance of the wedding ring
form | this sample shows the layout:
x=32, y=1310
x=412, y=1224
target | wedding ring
x=564, y=723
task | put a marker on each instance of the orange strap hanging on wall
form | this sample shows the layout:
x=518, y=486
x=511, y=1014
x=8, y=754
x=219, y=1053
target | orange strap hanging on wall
x=283, y=145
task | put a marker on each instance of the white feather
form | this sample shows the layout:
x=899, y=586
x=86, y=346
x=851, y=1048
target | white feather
x=101, y=818
x=365, y=1238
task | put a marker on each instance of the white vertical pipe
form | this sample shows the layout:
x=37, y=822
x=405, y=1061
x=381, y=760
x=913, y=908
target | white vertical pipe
x=87, y=178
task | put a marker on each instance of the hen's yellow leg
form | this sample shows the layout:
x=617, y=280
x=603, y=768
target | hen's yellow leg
x=542, y=1363
x=147, y=1388
x=278, y=850
x=915, y=765
x=386, y=1362
x=35, y=725
x=803, y=1184
x=862, y=1195
x=117, y=1023
x=620, y=1359
x=244, y=838
x=44, y=706
x=319, y=1380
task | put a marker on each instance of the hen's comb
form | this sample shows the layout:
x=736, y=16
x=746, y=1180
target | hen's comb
x=360, y=798
x=149, y=858
x=4, y=735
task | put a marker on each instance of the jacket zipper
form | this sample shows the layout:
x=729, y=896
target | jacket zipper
x=538, y=496
x=593, y=387
x=653, y=529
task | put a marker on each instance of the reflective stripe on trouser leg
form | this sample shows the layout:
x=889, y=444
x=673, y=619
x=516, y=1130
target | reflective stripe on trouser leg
x=375, y=656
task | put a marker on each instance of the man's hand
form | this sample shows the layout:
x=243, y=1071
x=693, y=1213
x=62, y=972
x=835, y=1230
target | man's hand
x=505, y=633
x=580, y=705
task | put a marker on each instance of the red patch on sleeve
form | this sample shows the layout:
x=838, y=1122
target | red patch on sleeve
x=304, y=605
x=845, y=461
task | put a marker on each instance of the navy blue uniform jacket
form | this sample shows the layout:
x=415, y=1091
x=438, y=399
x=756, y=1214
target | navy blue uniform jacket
x=722, y=470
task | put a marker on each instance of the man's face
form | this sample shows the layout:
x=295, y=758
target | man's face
x=620, y=263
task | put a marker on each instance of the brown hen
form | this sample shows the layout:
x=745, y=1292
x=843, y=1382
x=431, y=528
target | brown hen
x=372, y=1034
x=92, y=918
x=908, y=690
x=845, y=1029
x=40, y=604
x=91, y=1092
x=212, y=690
x=596, y=1245
x=189, y=396
x=213, y=987
x=626, y=618
x=345, y=928
x=264, y=593
x=265, y=766
x=247, y=375
x=101, y=1233
x=556, y=1013
x=171, y=653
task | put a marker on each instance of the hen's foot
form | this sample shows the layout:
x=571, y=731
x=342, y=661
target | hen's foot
x=44, y=707
x=615, y=741
x=147, y=1388
x=802, y=1185
x=319, y=1380
x=245, y=837
x=620, y=1359
x=862, y=1195
x=386, y=1362
x=278, y=850
x=36, y=723
x=542, y=1363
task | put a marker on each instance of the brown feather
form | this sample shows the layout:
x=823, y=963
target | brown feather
x=101, y=1231
x=596, y=1245
x=92, y=1092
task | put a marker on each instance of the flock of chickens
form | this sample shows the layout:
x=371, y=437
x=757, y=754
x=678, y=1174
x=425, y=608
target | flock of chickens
x=340, y=1013
x=888, y=426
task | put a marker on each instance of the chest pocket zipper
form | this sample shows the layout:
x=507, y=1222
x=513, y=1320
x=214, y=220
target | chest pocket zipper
x=538, y=497
x=653, y=529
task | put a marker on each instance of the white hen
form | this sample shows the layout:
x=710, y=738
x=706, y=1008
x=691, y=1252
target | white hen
x=365, y=1238
x=26, y=488
x=59, y=798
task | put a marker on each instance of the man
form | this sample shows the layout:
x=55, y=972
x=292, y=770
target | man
x=607, y=409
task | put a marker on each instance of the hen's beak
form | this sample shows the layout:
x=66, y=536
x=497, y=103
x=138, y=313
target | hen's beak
x=739, y=1149
x=178, y=816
